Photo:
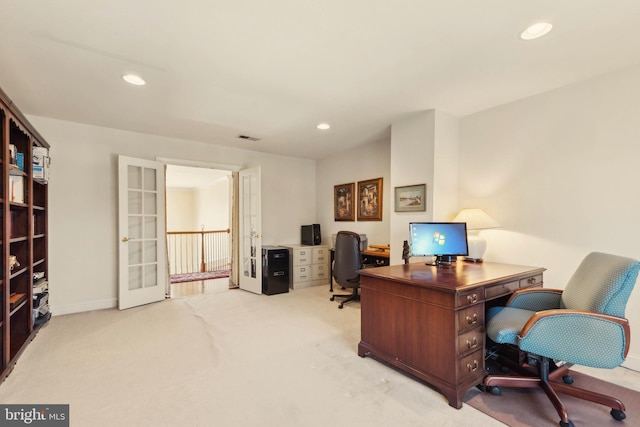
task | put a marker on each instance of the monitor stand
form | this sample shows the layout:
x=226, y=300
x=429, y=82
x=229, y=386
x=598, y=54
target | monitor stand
x=444, y=261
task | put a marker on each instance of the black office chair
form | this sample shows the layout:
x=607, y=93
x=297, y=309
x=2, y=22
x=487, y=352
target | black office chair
x=348, y=260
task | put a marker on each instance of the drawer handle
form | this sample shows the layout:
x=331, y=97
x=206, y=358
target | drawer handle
x=472, y=320
x=531, y=280
x=472, y=343
x=472, y=298
x=474, y=367
x=278, y=273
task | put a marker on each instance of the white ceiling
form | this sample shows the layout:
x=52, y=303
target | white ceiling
x=275, y=69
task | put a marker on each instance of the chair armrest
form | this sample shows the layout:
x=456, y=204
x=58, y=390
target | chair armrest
x=536, y=299
x=580, y=337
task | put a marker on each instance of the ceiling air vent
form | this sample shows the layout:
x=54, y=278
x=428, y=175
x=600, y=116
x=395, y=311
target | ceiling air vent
x=248, y=138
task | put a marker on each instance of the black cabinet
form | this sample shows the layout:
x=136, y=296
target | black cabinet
x=275, y=270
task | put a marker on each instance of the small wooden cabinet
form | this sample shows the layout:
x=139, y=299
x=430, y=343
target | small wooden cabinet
x=23, y=234
x=310, y=266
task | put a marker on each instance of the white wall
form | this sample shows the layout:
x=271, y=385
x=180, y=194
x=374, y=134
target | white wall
x=83, y=247
x=358, y=164
x=181, y=209
x=213, y=206
x=560, y=173
x=424, y=150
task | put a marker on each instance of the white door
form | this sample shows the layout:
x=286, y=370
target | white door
x=141, y=227
x=250, y=221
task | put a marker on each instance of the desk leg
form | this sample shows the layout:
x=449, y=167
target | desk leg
x=332, y=257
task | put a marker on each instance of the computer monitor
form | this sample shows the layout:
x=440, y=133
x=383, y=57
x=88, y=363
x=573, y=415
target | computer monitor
x=443, y=240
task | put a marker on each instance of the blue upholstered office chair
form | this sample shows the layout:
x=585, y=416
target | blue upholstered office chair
x=347, y=262
x=583, y=325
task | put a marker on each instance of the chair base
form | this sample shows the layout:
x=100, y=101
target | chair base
x=351, y=297
x=550, y=384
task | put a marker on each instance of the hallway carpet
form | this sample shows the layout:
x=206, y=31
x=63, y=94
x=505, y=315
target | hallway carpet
x=192, y=277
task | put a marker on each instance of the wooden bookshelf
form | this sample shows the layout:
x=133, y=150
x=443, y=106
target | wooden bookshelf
x=23, y=234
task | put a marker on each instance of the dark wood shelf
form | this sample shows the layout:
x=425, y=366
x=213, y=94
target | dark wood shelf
x=24, y=231
x=16, y=301
x=18, y=272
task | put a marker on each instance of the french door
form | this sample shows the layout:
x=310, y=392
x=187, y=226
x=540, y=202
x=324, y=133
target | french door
x=141, y=227
x=250, y=276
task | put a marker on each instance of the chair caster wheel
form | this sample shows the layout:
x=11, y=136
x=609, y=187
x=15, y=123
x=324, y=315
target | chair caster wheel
x=494, y=390
x=332, y=299
x=618, y=415
x=340, y=306
x=569, y=424
x=568, y=379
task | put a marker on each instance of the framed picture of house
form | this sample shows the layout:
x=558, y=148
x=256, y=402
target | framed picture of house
x=343, y=202
x=370, y=200
x=411, y=198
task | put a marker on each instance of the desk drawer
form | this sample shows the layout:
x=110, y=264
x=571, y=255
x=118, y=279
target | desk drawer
x=470, y=341
x=470, y=366
x=502, y=289
x=470, y=297
x=471, y=317
x=530, y=282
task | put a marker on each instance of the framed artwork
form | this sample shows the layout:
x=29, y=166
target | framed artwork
x=411, y=198
x=343, y=201
x=370, y=200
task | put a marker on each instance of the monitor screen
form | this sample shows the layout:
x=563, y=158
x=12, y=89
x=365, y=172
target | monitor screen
x=439, y=239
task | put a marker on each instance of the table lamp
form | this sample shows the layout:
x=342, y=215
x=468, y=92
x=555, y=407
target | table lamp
x=476, y=220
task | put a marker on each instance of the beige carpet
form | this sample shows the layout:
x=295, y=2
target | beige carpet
x=523, y=407
x=224, y=359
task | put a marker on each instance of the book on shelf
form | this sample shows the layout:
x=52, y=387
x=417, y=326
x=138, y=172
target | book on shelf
x=40, y=300
x=40, y=286
x=15, y=299
x=16, y=188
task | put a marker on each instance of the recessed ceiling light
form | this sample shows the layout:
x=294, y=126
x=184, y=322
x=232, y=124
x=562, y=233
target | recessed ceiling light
x=323, y=126
x=134, y=80
x=536, y=30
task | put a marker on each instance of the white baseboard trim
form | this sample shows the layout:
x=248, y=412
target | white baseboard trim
x=79, y=308
x=632, y=362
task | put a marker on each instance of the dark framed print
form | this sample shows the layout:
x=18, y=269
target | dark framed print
x=411, y=198
x=343, y=200
x=370, y=200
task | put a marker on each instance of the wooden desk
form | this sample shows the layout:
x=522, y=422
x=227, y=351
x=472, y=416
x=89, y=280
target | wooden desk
x=429, y=321
x=375, y=258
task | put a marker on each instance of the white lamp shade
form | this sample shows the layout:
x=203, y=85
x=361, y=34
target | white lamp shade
x=476, y=219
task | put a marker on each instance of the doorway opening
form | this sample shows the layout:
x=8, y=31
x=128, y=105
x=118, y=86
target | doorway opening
x=199, y=224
